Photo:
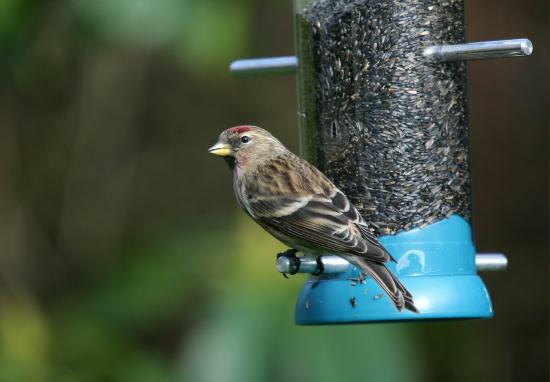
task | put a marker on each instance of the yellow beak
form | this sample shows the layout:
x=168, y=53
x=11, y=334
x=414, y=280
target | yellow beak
x=220, y=149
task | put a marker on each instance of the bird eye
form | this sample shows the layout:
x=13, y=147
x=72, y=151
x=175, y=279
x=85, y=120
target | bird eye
x=245, y=139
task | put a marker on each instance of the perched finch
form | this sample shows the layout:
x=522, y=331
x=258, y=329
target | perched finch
x=301, y=207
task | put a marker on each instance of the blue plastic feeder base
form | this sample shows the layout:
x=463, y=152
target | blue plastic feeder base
x=436, y=264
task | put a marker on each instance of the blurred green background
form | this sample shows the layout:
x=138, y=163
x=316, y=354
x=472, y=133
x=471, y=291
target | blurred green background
x=123, y=256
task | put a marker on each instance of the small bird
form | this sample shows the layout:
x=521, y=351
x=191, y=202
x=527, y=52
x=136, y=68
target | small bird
x=301, y=207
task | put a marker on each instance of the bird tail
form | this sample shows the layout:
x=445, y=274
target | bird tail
x=397, y=292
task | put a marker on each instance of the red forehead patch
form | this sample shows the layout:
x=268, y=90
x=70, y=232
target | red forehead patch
x=240, y=129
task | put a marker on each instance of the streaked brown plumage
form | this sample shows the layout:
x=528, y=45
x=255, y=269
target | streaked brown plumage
x=301, y=207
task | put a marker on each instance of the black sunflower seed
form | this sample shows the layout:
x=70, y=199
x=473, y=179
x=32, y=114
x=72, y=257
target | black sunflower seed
x=386, y=125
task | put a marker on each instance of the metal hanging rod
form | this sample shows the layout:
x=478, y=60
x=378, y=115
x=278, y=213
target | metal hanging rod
x=261, y=66
x=458, y=52
x=491, y=262
x=335, y=264
x=480, y=50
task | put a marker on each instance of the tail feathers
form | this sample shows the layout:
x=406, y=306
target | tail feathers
x=397, y=292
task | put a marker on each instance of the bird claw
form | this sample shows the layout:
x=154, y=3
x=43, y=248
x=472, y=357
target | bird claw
x=291, y=252
x=320, y=267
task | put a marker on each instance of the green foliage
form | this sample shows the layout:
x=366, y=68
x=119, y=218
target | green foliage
x=12, y=14
x=222, y=22
x=25, y=341
x=103, y=328
x=205, y=34
x=140, y=22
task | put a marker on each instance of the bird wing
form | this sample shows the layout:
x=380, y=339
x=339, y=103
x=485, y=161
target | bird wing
x=319, y=221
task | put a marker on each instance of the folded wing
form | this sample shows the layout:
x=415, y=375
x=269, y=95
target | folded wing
x=327, y=222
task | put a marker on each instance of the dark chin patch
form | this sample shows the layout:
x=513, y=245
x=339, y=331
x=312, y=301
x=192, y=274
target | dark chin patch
x=231, y=161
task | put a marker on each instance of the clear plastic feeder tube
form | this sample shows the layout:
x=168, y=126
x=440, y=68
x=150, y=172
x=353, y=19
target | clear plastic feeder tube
x=389, y=126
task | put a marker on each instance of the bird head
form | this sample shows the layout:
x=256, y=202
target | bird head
x=246, y=145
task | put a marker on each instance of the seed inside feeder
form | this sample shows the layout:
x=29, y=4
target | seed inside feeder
x=386, y=125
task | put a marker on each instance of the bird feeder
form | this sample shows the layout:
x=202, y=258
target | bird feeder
x=383, y=113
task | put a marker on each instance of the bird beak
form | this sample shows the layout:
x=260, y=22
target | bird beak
x=220, y=149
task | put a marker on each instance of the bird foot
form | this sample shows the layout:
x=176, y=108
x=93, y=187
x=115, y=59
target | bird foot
x=291, y=252
x=320, y=267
